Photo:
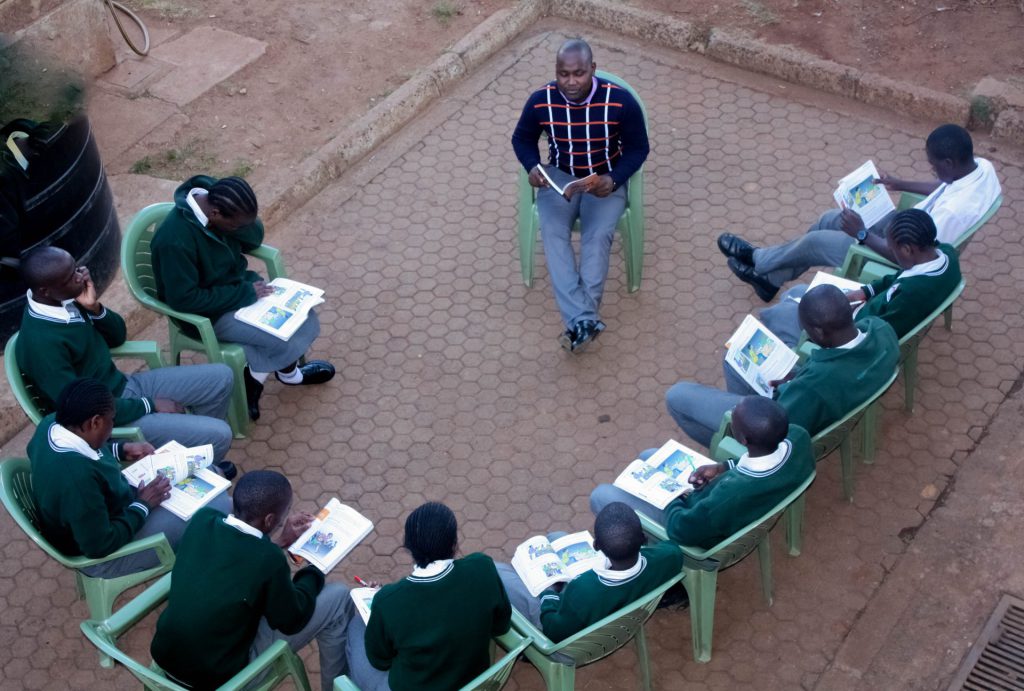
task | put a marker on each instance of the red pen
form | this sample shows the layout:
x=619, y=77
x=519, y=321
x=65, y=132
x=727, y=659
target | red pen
x=361, y=582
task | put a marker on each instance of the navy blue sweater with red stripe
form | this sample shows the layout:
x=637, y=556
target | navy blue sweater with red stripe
x=604, y=134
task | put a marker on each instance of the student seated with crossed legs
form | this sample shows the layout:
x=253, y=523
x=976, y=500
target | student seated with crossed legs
x=728, y=496
x=432, y=630
x=630, y=572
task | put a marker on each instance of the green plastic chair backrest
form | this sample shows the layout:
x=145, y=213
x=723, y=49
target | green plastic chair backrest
x=497, y=675
x=33, y=401
x=136, y=257
x=16, y=495
x=601, y=74
x=603, y=637
x=740, y=543
x=922, y=328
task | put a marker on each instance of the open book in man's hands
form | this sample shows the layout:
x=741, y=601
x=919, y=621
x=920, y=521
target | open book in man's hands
x=576, y=186
x=334, y=532
x=859, y=192
x=758, y=355
x=282, y=312
x=193, y=484
x=664, y=476
x=541, y=563
x=363, y=599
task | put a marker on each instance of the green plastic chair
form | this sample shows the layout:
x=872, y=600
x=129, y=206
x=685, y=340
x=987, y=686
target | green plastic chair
x=558, y=662
x=99, y=594
x=631, y=223
x=701, y=567
x=137, y=267
x=37, y=405
x=491, y=679
x=277, y=661
x=865, y=265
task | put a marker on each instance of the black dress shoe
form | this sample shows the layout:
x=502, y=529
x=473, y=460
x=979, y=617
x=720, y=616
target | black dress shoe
x=736, y=247
x=765, y=290
x=675, y=597
x=253, y=391
x=313, y=372
x=584, y=334
x=226, y=469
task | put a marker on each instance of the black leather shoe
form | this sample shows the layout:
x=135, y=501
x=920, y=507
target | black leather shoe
x=253, y=391
x=313, y=372
x=226, y=469
x=584, y=334
x=765, y=290
x=736, y=247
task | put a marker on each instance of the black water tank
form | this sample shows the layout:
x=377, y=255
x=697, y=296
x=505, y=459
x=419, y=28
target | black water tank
x=63, y=199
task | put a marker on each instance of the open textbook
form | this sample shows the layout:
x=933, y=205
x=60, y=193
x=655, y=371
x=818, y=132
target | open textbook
x=758, y=355
x=193, y=484
x=541, y=563
x=859, y=192
x=581, y=185
x=335, y=531
x=822, y=278
x=664, y=476
x=363, y=599
x=282, y=312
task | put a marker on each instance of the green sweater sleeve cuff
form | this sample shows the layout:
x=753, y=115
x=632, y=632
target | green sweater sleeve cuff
x=128, y=410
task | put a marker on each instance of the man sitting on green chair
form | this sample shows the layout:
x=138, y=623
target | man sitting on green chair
x=631, y=571
x=200, y=268
x=728, y=496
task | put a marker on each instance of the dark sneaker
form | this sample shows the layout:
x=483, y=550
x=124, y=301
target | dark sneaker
x=584, y=334
x=313, y=372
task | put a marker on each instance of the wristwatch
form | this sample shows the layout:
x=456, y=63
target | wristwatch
x=862, y=236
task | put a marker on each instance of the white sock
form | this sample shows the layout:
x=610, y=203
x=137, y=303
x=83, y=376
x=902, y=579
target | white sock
x=292, y=377
x=261, y=377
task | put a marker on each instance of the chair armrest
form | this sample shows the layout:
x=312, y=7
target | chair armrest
x=855, y=259
x=511, y=639
x=156, y=542
x=724, y=430
x=728, y=448
x=136, y=609
x=258, y=666
x=271, y=256
x=805, y=349
x=343, y=683
x=652, y=527
x=127, y=433
x=148, y=351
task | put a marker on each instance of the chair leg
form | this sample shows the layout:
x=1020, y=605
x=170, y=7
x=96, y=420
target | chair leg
x=947, y=318
x=764, y=557
x=846, y=461
x=636, y=250
x=700, y=587
x=100, y=601
x=910, y=378
x=238, y=410
x=528, y=225
x=557, y=676
x=869, y=429
x=643, y=660
x=794, y=518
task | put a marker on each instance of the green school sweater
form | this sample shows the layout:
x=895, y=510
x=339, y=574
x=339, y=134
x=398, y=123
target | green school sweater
x=834, y=381
x=904, y=301
x=53, y=353
x=224, y=581
x=434, y=634
x=589, y=598
x=738, y=496
x=198, y=270
x=86, y=507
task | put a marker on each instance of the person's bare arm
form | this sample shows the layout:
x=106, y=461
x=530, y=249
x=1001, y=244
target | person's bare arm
x=897, y=185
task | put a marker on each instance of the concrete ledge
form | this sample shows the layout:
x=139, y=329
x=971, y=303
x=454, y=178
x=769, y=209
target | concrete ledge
x=632, y=21
x=909, y=99
x=1010, y=126
x=495, y=32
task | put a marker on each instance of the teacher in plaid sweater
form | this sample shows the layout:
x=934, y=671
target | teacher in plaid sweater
x=594, y=127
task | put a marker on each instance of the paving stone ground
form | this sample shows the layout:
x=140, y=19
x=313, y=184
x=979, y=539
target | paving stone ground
x=451, y=386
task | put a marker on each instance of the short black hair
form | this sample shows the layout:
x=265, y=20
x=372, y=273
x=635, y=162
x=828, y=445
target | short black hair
x=765, y=421
x=618, y=532
x=430, y=533
x=261, y=492
x=233, y=197
x=825, y=307
x=40, y=264
x=81, y=400
x=952, y=142
x=913, y=227
x=576, y=45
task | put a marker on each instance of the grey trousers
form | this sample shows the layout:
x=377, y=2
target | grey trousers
x=783, y=318
x=698, y=409
x=518, y=594
x=328, y=625
x=605, y=494
x=266, y=353
x=365, y=675
x=203, y=389
x=824, y=244
x=160, y=521
x=578, y=286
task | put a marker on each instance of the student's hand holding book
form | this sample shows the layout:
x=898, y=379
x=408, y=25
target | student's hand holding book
x=294, y=526
x=705, y=474
x=850, y=222
x=537, y=178
x=135, y=450
x=154, y=493
x=776, y=383
x=262, y=289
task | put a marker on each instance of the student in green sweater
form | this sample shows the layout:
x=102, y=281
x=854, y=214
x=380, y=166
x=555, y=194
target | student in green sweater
x=200, y=268
x=67, y=333
x=851, y=364
x=233, y=593
x=432, y=630
x=930, y=273
x=630, y=572
x=728, y=496
x=85, y=505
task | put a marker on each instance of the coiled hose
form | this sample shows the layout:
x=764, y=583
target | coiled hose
x=116, y=7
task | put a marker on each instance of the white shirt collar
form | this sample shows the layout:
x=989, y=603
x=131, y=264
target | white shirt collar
x=861, y=335
x=432, y=569
x=241, y=525
x=590, y=96
x=765, y=464
x=608, y=574
x=192, y=204
x=63, y=440
x=935, y=265
x=65, y=312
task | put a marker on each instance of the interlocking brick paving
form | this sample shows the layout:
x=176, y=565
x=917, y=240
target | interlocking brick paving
x=451, y=385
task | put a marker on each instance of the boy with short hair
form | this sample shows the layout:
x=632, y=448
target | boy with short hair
x=232, y=592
